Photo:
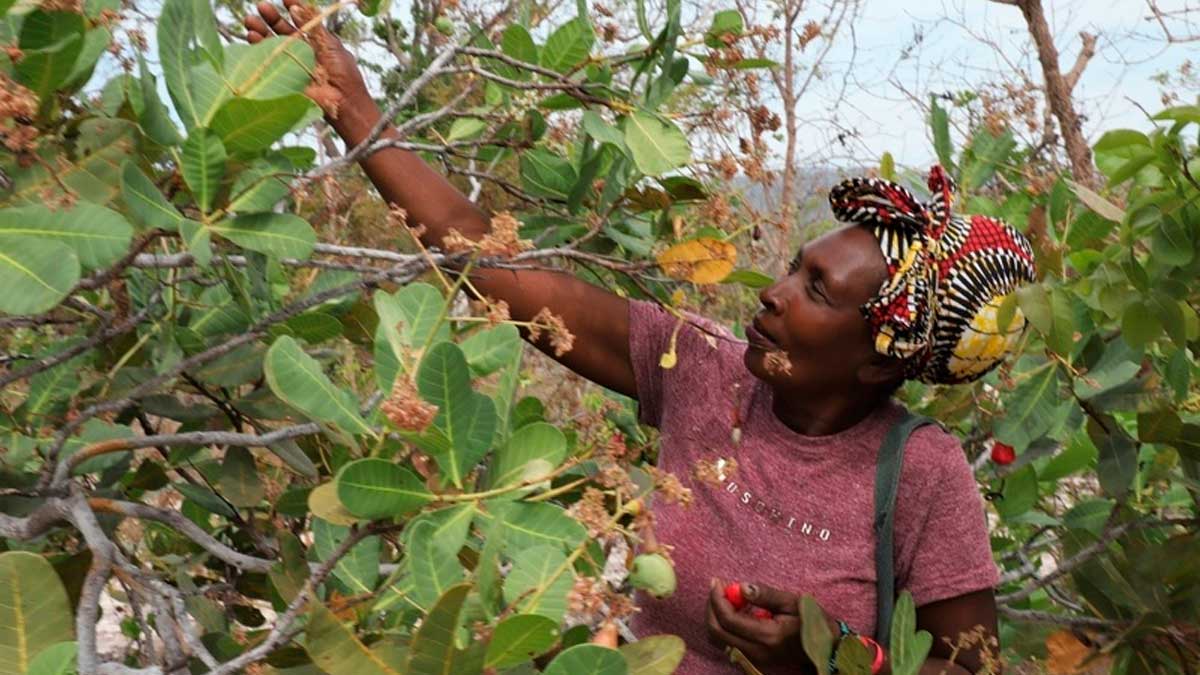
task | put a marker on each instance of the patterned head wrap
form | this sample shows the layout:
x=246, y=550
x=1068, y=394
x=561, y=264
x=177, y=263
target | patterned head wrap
x=947, y=277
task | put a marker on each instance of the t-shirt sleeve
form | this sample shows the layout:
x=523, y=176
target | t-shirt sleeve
x=943, y=547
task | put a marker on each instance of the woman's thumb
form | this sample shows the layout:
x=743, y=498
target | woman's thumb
x=779, y=602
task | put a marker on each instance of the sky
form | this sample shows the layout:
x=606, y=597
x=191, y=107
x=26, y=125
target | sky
x=862, y=90
x=1130, y=51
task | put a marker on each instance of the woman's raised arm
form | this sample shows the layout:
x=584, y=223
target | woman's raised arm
x=598, y=319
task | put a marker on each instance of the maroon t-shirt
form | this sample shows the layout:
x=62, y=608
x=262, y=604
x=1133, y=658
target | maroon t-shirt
x=797, y=513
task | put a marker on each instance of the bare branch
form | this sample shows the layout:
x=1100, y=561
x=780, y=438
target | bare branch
x=185, y=527
x=1085, y=55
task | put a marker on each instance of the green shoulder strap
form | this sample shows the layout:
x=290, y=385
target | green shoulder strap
x=887, y=480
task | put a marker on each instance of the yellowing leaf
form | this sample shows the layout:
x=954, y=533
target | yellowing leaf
x=700, y=261
x=1065, y=653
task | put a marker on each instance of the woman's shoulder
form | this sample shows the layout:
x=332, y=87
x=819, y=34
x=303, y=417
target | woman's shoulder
x=934, y=455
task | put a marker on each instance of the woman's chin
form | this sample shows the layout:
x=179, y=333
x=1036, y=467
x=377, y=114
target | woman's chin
x=756, y=362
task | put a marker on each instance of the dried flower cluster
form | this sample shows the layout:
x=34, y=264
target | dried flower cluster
x=505, y=237
x=495, y=311
x=587, y=596
x=669, y=487
x=556, y=329
x=592, y=511
x=714, y=471
x=323, y=93
x=455, y=242
x=18, y=105
x=778, y=363
x=405, y=407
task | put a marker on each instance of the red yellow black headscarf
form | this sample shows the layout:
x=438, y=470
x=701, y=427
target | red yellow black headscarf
x=947, y=277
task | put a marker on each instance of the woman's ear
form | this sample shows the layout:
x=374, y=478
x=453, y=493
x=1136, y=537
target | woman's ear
x=880, y=370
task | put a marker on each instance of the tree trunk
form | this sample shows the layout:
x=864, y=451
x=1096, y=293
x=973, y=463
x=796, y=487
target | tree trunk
x=1058, y=90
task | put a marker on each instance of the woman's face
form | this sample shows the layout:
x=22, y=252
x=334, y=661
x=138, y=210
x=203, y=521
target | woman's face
x=813, y=314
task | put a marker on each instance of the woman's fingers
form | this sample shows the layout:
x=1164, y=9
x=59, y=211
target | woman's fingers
x=255, y=24
x=253, y=37
x=277, y=21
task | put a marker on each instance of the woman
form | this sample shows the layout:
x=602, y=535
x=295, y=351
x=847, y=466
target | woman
x=802, y=407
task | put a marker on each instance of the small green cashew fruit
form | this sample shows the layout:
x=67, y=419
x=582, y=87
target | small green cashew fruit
x=653, y=573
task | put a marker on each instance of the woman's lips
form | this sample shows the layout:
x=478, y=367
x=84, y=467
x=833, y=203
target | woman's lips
x=758, y=338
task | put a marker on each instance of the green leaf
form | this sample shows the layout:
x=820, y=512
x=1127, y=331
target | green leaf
x=376, y=488
x=97, y=235
x=336, y=650
x=57, y=659
x=1139, y=325
x=103, y=145
x=748, y=278
x=145, y=202
x=281, y=235
x=517, y=43
x=95, y=43
x=654, y=655
x=36, y=274
x=887, y=167
x=1096, y=203
x=409, y=319
x=359, y=569
x=34, y=610
x=588, y=659
x=1183, y=113
x=545, y=174
x=1089, y=515
x=175, y=33
x=1033, y=409
x=1171, y=243
x=433, y=568
x=909, y=647
x=853, y=658
x=433, y=651
x=530, y=584
x=490, y=349
x=533, y=450
x=206, y=499
x=1120, y=138
x=205, y=23
x=294, y=457
x=1020, y=493
x=1117, y=455
x=602, y=131
x=528, y=524
x=519, y=638
x=260, y=186
x=815, y=635
x=274, y=68
x=290, y=570
x=726, y=22
x=467, y=417
x=248, y=126
x=983, y=156
x=297, y=379
x=657, y=145
x=939, y=122
x=239, y=478
x=464, y=128
x=51, y=43
x=324, y=504
x=203, y=166
x=569, y=45
x=154, y=118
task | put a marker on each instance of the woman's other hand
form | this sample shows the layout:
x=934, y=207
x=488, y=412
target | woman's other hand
x=762, y=640
x=338, y=84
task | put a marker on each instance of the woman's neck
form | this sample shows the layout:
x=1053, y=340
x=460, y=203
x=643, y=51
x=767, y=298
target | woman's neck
x=823, y=414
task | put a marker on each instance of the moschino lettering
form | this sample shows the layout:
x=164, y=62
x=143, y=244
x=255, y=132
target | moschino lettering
x=774, y=514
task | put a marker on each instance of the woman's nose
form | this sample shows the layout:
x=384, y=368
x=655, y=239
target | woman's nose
x=771, y=298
